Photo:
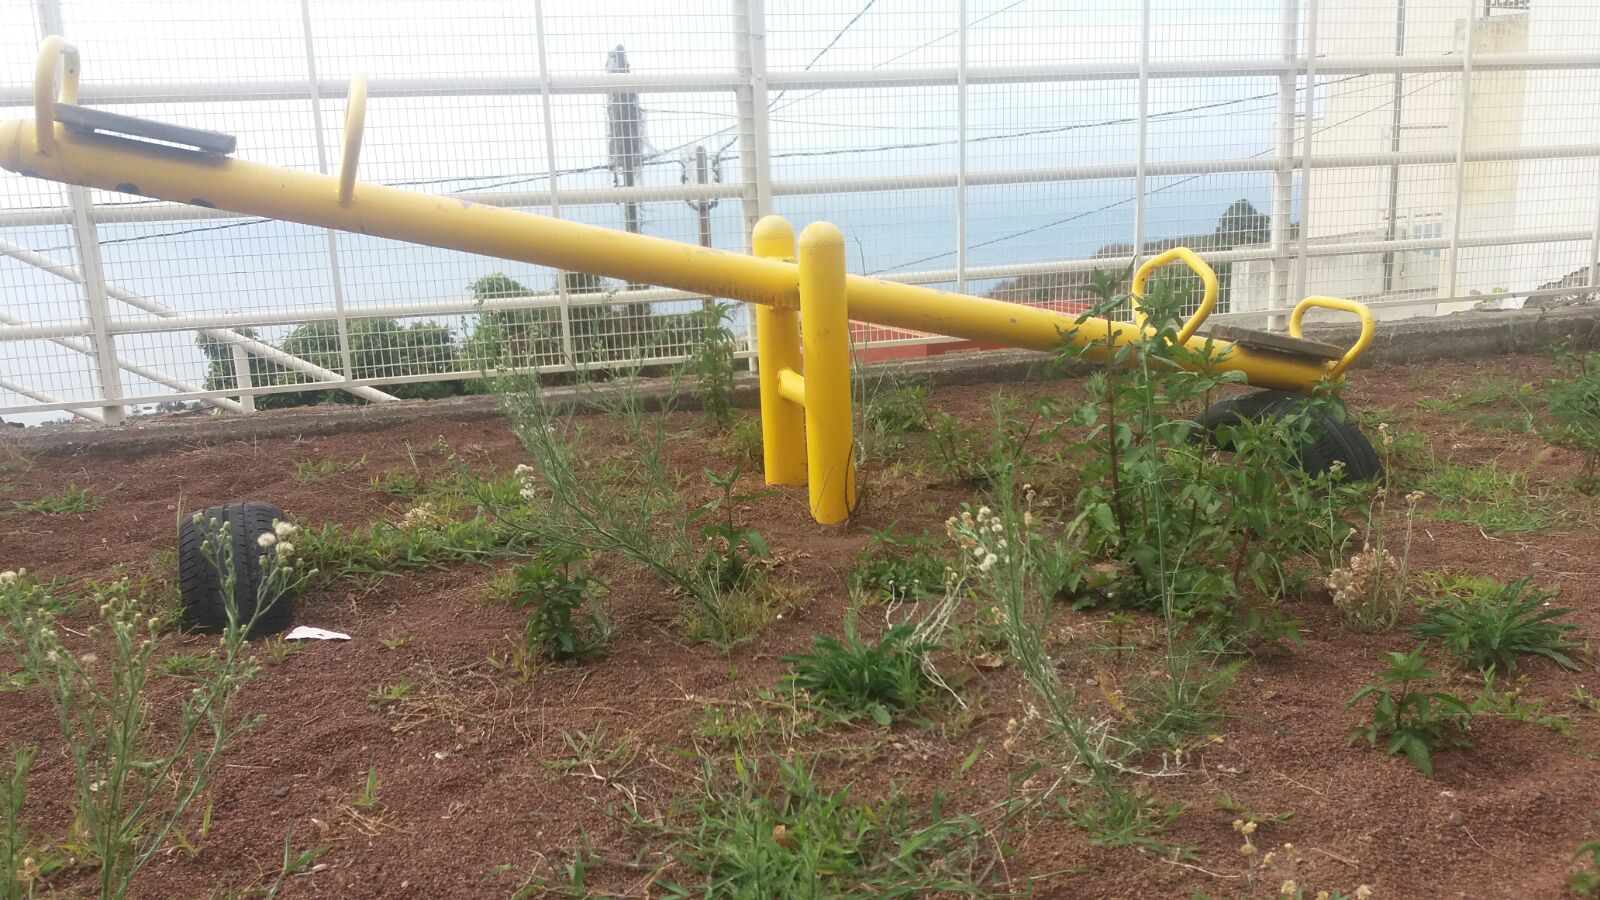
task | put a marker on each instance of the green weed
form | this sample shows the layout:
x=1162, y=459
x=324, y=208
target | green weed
x=131, y=785
x=316, y=471
x=1586, y=881
x=751, y=836
x=1514, y=705
x=392, y=693
x=884, y=680
x=898, y=568
x=1488, y=632
x=1121, y=817
x=186, y=665
x=1574, y=403
x=400, y=484
x=1414, y=722
x=368, y=798
x=567, y=621
x=1491, y=498
x=70, y=502
x=712, y=364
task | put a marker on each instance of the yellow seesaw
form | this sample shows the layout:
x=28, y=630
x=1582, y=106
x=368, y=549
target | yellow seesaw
x=807, y=292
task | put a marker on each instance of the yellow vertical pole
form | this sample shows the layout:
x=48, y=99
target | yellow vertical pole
x=783, y=428
x=825, y=329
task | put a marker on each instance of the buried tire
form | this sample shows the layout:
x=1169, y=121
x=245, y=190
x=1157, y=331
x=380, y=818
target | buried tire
x=204, y=605
x=1332, y=437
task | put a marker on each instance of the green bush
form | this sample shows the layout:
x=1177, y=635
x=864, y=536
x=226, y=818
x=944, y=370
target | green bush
x=1489, y=630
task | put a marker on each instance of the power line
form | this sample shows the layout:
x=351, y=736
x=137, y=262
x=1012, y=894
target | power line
x=518, y=180
x=1112, y=205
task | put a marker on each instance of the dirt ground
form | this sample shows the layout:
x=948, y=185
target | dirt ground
x=466, y=773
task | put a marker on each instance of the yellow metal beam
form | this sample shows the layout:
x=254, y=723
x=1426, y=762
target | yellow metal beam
x=244, y=187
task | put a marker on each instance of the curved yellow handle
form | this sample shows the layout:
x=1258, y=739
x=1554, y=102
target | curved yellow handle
x=1208, y=299
x=51, y=52
x=1350, y=306
x=355, y=121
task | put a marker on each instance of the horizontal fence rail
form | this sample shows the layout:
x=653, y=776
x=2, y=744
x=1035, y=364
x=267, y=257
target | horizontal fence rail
x=1424, y=156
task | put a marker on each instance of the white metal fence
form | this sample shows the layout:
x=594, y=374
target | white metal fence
x=1423, y=155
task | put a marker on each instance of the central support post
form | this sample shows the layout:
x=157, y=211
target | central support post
x=825, y=333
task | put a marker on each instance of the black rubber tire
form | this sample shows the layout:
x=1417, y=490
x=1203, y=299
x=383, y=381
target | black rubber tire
x=204, y=609
x=1334, y=436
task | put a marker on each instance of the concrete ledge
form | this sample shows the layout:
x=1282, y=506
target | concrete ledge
x=1459, y=336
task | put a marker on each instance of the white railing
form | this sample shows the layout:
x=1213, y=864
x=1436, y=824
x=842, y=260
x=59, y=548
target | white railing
x=1423, y=155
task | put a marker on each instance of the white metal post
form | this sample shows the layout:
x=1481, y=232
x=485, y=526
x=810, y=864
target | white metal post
x=102, y=345
x=1141, y=175
x=755, y=156
x=1303, y=261
x=341, y=323
x=94, y=293
x=961, y=146
x=550, y=165
x=1464, y=110
x=1594, y=239
x=755, y=160
x=241, y=374
x=1283, y=156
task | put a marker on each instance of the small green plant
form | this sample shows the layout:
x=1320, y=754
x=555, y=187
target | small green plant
x=1488, y=632
x=401, y=484
x=275, y=650
x=1121, y=817
x=976, y=456
x=882, y=680
x=185, y=665
x=1414, y=722
x=755, y=836
x=1574, y=402
x=368, y=798
x=393, y=641
x=15, y=880
x=712, y=364
x=393, y=693
x=568, y=621
x=1232, y=804
x=744, y=442
x=314, y=471
x=893, y=407
x=70, y=502
x=899, y=568
x=1516, y=706
x=1586, y=881
x=733, y=552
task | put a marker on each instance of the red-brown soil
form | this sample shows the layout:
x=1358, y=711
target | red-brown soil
x=465, y=780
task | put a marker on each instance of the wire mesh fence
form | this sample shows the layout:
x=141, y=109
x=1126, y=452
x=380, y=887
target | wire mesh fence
x=1422, y=155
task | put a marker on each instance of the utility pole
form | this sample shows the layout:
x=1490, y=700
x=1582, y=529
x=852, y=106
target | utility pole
x=703, y=206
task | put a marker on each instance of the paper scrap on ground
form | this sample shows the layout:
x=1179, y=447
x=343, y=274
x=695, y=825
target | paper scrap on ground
x=307, y=633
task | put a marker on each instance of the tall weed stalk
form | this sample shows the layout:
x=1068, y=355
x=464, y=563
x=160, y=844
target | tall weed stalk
x=133, y=783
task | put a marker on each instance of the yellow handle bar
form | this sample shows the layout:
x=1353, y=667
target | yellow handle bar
x=1360, y=310
x=44, y=87
x=1207, y=277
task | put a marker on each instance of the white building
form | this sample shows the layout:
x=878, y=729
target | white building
x=1420, y=112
